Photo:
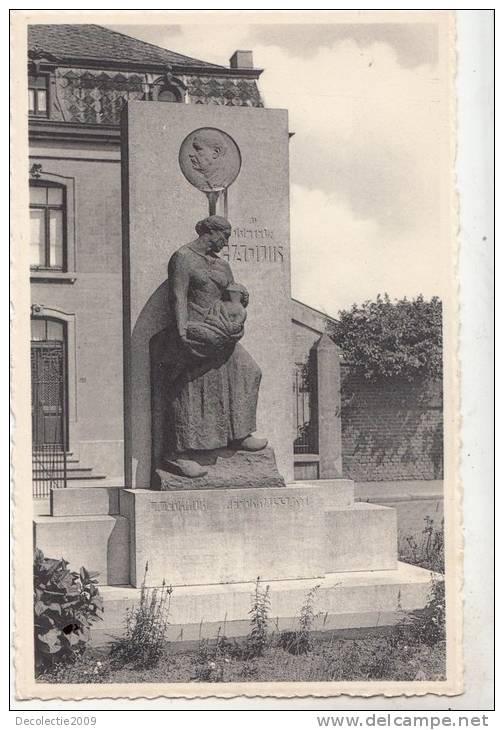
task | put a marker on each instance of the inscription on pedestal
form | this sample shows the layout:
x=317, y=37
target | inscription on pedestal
x=194, y=505
x=181, y=505
x=222, y=537
x=265, y=502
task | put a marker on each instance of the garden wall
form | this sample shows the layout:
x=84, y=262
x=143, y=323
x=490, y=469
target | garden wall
x=392, y=429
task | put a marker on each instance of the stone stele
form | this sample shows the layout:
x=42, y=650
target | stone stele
x=160, y=210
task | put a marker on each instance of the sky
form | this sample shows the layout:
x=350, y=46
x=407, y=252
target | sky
x=364, y=104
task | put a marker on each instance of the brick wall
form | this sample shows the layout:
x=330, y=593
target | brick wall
x=391, y=429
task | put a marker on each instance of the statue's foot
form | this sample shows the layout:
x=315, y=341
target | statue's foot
x=187, y=468
x=250, y=443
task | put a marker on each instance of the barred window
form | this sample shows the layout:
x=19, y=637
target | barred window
x=170, y=94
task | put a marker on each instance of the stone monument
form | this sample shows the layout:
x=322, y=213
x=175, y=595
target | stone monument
x=183, y=164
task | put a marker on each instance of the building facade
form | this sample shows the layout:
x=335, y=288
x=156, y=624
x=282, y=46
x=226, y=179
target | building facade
x=79, y=78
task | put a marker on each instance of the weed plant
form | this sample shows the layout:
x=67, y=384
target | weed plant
x=257, y=638
x=300, y=641
x=146, y=626
x=428, y=552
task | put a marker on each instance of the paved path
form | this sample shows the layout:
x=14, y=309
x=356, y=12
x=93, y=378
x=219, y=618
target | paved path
x=400, y=491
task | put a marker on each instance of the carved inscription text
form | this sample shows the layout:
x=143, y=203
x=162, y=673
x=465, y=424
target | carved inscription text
x=293, y=502
x=258, y=253
x=179, y=505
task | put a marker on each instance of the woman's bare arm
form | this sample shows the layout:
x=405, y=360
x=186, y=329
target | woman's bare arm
x=178, y=281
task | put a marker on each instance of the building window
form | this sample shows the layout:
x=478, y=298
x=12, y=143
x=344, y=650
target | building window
x=304, y=388
x=47, y=226
x=169, y=94
x=37, y=96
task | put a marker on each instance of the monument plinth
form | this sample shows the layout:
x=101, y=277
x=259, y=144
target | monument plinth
x=226, y=469
x=224, y=536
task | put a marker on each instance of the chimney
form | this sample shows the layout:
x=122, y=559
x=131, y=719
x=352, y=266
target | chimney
x=241, y=59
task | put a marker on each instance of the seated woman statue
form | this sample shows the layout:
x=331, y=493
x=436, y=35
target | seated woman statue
x=205, y=385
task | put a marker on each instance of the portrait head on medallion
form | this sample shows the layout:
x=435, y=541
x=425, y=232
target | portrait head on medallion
x=209, y=159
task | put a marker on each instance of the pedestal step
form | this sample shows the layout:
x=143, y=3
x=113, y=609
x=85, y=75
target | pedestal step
x=342, y=601
x=81, y=501
x=97, y=542
x=361, y=537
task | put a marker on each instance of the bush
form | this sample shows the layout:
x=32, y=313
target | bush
x=146, y=626
x=388, y=338
x=66, y=604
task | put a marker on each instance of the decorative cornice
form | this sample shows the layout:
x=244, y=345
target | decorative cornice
x=245, y=73
x=44, y=129
x=44, y=57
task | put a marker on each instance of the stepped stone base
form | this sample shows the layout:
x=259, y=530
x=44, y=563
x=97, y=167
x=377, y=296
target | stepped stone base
x=226, y=469
x=217, y=536
x=211, y=546
x=79, y=501
x=344, y=600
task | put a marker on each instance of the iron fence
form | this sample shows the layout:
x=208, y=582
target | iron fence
x=305, y=407
x=49, y=469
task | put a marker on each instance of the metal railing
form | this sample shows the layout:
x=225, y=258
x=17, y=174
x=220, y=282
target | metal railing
x=305, y=407
x=49, y=469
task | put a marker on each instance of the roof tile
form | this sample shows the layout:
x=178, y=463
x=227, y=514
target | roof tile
x=96, y=42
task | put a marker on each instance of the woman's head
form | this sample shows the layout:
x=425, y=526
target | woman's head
x=216, y=230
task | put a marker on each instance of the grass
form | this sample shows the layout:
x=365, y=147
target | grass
x=145, y=629
x=364, y=659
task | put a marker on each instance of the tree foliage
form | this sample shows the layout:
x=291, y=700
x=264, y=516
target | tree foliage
x=385, y=338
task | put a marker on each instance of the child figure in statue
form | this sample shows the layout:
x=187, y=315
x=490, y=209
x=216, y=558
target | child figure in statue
x=236, y=298
x=222, y=325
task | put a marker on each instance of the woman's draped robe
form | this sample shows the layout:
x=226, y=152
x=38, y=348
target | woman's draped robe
x=198, y=403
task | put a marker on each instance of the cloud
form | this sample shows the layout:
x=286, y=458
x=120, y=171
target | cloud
x=363, y=132
x=415, y=44
x=338, y=259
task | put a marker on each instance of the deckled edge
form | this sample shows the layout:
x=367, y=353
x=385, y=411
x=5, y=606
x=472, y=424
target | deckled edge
x=21, y=508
